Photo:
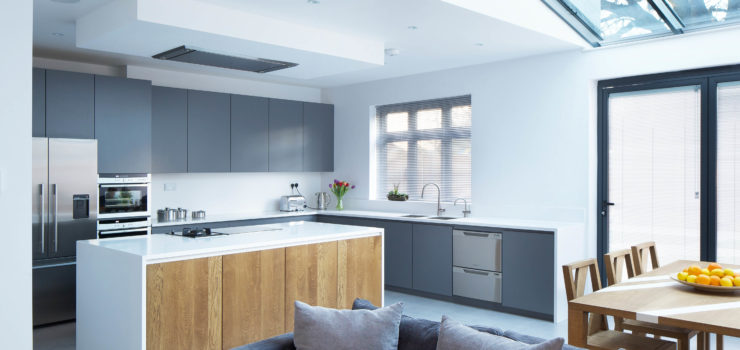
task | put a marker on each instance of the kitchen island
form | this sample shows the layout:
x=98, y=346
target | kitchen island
x=165, y=292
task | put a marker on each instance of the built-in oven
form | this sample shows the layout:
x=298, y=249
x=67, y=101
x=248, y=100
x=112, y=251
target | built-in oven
x=124, y=196
x=124, y=227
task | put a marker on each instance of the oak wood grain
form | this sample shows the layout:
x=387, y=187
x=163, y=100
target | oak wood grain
x=310, y=276
x=254, y=296
x=360, y=271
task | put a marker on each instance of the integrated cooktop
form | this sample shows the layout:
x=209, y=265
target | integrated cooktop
x=197, y=232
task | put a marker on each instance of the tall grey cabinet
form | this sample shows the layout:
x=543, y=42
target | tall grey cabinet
x=209, y=134
x=286, y=135
x=318, y=137
x=70, y=105
x=39, y=102
x=169, y=130
x=249, y=133
x=123, y=122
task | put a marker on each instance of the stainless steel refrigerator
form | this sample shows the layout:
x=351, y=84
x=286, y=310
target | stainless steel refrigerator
x=65, y=206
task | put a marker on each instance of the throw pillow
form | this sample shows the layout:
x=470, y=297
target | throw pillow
x=454, y=335
x=319, y=328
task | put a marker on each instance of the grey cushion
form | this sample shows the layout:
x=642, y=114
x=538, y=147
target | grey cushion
x=319, y=328
x=454, y=335
x=281, y=342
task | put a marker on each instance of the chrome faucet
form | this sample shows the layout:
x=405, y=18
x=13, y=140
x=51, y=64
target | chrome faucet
x=466, y=211
x=439, y=195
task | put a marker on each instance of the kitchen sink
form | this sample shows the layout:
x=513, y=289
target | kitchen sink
x=443, y=218
x=414, y=216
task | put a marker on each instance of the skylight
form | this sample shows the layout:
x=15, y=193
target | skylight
x=606, y=22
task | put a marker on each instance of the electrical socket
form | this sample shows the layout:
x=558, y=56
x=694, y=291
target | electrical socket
x=170, y=187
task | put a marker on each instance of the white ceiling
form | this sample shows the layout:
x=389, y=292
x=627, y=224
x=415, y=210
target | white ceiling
x=336, y=42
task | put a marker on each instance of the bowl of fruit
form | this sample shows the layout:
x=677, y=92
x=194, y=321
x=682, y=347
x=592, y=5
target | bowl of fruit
x=713, y=278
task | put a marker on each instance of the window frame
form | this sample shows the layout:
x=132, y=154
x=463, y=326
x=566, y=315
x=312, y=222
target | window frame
x=412, y=135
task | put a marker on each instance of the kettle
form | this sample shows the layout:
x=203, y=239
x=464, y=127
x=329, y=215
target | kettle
x=322, y=200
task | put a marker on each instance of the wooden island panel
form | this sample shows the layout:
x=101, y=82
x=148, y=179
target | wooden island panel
x=253, y=296
x=183, y=304
x=311, y=277
x=360, y=274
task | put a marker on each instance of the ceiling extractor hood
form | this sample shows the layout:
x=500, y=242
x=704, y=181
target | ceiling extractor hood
x=189, y=55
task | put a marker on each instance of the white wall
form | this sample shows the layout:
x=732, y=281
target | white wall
x=217, y=193
x=16, y=29
x=534, y=123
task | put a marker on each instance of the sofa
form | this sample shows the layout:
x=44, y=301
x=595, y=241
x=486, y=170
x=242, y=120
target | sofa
x=416, y=334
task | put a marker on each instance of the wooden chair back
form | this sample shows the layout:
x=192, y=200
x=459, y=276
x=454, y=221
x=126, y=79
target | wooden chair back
x=614, y=264
x=575, y=277
x=640, y=254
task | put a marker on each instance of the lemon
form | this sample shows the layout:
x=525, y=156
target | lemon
x=718, y=273
x=726, y=282
x=706, y=272
x=736, y=281
x=729, y=272
x=692, y=278
x=682, y=276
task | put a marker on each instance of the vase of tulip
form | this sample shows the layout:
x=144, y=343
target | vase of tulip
x=340, y=188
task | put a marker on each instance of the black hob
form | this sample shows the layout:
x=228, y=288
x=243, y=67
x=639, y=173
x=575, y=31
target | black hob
x=197, y=232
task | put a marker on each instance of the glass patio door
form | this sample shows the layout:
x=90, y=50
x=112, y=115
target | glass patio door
x=654, y=170
x=728, y=172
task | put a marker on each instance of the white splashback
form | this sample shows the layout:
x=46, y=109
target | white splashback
x=226, y=193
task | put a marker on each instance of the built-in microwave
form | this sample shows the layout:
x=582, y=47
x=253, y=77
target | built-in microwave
x=121, y=196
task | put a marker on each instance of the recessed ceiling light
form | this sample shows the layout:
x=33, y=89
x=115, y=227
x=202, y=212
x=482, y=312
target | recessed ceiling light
x=392, y=52
x=478, y=44
x=412, y=27
x=313, y=2
x=66, y=1
x=57, y=34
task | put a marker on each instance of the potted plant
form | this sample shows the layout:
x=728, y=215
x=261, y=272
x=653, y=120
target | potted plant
x=340, y=188
x=397, y=196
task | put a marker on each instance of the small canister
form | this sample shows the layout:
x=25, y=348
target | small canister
x=199, y=214
x=182, y=214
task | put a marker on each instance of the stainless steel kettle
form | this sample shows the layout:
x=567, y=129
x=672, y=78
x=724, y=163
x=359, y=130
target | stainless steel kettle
x=322, y=200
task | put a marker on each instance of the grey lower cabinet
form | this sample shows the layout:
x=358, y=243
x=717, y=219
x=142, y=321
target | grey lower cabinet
x=123, y=124
x=432, y=258
x=169, y=130
x=39, y=102
x=249, y=133
x=399, y=249
x=285, y=135
x=318, y=137
x=70, y=105
x=528, y=268
x=209, y=132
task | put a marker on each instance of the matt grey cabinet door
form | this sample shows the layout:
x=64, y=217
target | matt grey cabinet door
x=123, y=125
x=398, y=254
x=209, y=132
x=249, y=133
x=318, y=137
x=286, y=135
x=525, y=253
x=39, y=102
x=70, y=105
x=169, y=130
x=432, y=262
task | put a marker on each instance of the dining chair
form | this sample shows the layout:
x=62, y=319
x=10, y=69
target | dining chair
x=640, y=254
x=615, y=262
x=599, y=334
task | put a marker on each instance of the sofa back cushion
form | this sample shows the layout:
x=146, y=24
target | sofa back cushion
x=454, y=335
x=318, y=328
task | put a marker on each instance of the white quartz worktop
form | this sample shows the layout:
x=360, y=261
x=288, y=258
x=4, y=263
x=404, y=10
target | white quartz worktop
x=163, y=247
x=476, y=221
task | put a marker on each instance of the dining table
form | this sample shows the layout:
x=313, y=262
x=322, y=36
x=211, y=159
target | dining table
x=655, y=297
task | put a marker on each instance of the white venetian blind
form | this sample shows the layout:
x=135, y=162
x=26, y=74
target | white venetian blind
x=422, y=142
x=728, y=172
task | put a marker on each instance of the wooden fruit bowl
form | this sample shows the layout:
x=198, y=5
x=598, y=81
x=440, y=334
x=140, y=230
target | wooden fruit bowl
x=708, y=288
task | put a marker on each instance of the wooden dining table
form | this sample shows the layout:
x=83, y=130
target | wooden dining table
x=654, y=297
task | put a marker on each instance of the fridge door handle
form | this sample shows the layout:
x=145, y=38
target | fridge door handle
x=43, y=224
x=56, y=219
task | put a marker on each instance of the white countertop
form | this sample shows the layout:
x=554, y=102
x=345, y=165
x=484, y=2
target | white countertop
x=163, y=247
x=503, y=223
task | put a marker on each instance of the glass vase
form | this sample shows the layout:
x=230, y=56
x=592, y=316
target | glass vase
x=340, y=204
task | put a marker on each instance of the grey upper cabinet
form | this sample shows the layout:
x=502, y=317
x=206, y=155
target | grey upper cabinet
x=318, y=137
x=123, y=124
x=169, y=130
x=39, y=102
x=432, y=263
x=519, y=289
x=209, y=134
x=286, y=135
x=70, y=105
x=249, y=133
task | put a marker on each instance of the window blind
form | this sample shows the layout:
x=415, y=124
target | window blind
x=422, y=142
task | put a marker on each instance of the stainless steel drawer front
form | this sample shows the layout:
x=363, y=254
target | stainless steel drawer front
x=476, y=284
x=478, y=250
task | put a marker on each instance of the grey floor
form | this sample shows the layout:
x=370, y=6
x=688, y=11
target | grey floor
x=62, y=336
